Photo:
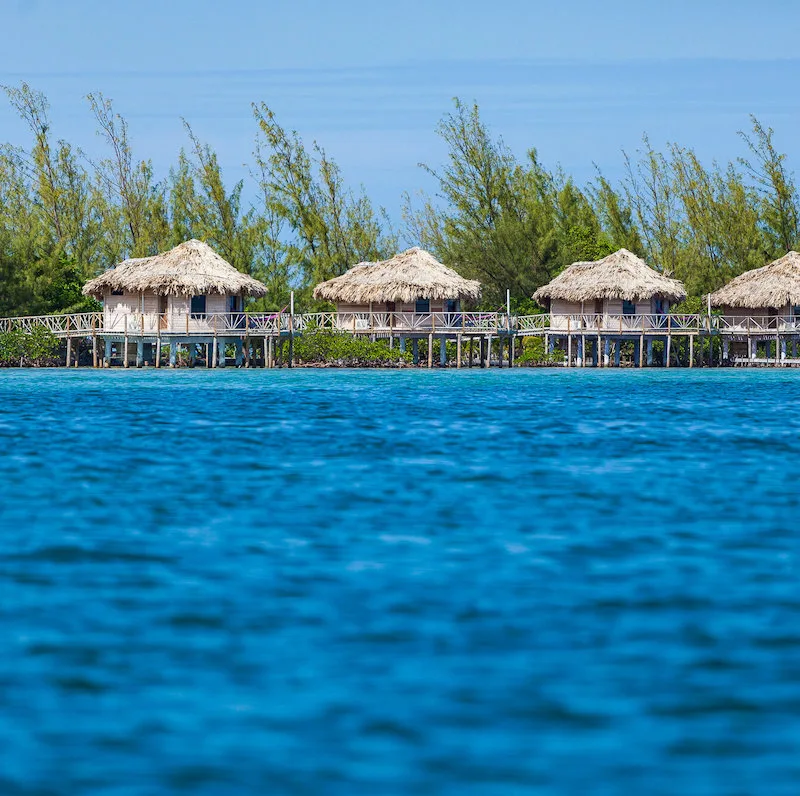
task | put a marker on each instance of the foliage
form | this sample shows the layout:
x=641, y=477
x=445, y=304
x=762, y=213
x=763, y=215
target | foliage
x=508, y=221
x=35, y=348
x=310, y=218
x=534, y=353
x=345, y=350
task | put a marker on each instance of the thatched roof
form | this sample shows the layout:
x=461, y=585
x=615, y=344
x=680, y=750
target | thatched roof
x=775, y=285
x=621, y=275
x=413, y=274
x=191, y=269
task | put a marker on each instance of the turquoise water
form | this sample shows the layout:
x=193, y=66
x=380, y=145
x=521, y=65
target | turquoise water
x=379, y=582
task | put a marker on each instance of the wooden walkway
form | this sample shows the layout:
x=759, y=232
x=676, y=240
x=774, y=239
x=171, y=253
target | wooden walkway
x=580, y=340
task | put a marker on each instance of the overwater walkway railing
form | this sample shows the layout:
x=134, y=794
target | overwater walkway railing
x=387, y=323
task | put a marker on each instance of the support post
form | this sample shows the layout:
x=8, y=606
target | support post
x=221, y=351
x=94, y=344
x=107, y=354
x=415, y=350
x=488, y=351
x=471, y=354
x=691, y=350
x=125, y=347
x=668, y=351
x=430, y=350
x=649, y=352
x=606, y=353
x=458, y=351
x=617, y=352
x=442, y=351
x=214, y=347
x=139, y=352
x=569, y=343
x=173, y=354
x=239, y=347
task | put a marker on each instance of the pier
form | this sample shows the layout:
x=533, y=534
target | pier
x=264, y=339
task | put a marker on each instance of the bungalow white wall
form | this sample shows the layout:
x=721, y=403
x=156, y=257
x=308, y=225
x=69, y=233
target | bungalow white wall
x=146, y=311
x=566, y=314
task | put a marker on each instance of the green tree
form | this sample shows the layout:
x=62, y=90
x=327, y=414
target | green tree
x=324, y=227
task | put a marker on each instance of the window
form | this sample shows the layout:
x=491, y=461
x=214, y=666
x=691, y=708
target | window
x=391, y=306
x=233, y=304
x=198, y=305
x=796, y=311
x=451, y=305
x=628, y=308
x=658, y=306
x=422, y=305
x=117, y=292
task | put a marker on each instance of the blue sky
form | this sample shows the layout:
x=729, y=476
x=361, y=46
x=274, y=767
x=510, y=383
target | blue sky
x=580, y=80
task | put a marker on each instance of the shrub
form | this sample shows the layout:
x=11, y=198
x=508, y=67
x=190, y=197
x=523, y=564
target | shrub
x=341, y=348
x=37, y=347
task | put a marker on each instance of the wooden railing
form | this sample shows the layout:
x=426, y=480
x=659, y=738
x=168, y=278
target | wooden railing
x=382, y=323
x=756, y=324
x=73, y=324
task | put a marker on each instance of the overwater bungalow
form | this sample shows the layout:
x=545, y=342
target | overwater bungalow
x=188, y=290
x=606, y=302
x=761, y=308
x=411, y=291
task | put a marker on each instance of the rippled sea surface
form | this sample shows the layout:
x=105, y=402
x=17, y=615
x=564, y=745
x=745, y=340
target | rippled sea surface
x=379, y=582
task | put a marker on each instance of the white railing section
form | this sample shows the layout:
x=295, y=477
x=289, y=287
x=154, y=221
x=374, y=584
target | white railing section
x=60, y=325
x=383, y=323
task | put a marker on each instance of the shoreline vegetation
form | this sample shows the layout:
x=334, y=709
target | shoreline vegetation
x=507, y=221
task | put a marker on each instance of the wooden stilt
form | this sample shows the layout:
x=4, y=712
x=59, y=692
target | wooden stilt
x=668, y=351
x=94, y=344
x=458, y=350
x=691, y=350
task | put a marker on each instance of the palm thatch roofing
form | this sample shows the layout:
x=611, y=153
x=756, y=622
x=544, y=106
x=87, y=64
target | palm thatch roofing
x=413, y=274
x=191, y=269
x=775, y=286
x=621, y=275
